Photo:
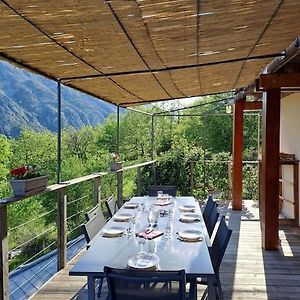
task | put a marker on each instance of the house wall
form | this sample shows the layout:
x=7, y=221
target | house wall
x=289, y=143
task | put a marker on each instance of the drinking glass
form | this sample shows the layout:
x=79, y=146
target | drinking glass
x=160, y=194
x=141, y=242
x=153, y=216
x=168, y=229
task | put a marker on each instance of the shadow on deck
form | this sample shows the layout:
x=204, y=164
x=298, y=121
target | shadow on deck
x=247, y=271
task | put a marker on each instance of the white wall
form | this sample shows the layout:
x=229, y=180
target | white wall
x=290, y=142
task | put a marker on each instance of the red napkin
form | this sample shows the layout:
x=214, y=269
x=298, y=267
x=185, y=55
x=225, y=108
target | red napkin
x=150, y=235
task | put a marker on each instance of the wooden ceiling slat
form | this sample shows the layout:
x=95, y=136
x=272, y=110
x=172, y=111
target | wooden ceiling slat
x=79, y=38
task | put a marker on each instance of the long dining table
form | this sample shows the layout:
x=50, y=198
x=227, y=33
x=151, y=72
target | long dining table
x=173, y=253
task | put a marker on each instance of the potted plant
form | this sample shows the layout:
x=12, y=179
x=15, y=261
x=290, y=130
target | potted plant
x=27, y=179
x=116, y=163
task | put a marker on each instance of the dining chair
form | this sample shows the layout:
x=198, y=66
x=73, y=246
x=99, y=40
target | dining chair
x=96, y=210
x=167, y=189
x=212, y=221
x=208, y=209
x=93, y=226
x=90, y=229
x=145, y=285
x=111, y=206
x=217, y=251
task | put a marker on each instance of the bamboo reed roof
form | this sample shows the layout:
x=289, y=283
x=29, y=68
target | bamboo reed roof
x=147, y=50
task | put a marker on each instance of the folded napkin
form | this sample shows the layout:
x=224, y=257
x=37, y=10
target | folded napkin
x=149, y=235
x=162, y=202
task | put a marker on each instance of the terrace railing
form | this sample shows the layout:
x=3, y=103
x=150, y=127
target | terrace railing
x=63, y=220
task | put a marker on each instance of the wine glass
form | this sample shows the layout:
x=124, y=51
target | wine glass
x=141, y=242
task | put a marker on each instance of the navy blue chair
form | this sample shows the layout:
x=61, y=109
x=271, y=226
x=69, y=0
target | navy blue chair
x=210, y=203
x=212, y=221
x=145, y=285
x=217, y=251
x=95, y=211
x=111, y=206
x=167, y=189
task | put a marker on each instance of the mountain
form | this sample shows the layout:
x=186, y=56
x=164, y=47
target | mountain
x=30, y=101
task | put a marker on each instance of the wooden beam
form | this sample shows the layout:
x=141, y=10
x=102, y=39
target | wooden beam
x=279, y=80
x=61, y=229
x=289, y=54
x=4, y=294
x=254, y=105
x=270, y=170
x=237, y=170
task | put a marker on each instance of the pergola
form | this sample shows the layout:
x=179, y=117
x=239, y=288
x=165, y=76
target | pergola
x=134, y=52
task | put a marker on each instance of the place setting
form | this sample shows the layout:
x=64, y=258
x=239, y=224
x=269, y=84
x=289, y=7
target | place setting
x=113, y=232
x=190, y=236
x=130, y=205
x=123, y=217
x=189, y=218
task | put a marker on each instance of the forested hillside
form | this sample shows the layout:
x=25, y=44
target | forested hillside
x=205, y=140
x=30, y=101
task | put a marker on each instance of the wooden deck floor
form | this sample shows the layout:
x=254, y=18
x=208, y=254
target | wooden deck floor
x=247, y=271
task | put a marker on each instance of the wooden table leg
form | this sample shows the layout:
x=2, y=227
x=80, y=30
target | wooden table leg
x=91, y=288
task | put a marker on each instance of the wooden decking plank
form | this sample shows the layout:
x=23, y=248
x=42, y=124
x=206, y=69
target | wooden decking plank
x=247, y=271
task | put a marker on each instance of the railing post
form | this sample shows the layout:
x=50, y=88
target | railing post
x=97, y=191
x=61, y=229
x=4, y=294
x=192, y=176
x=153, y=169
x=120, y=187
x=230, y=180
x=139, y=181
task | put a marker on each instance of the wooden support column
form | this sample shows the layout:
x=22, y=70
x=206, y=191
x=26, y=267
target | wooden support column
x=97, y=191
x=120, y=187
x=61, y=229
x=192, y=176
x=237, y=153
x=153, y=169
x=138, y=181
x=270, y=169
x=4, y=294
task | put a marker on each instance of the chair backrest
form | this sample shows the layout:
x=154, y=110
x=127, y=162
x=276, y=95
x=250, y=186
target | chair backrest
x=208, y=209
x=93, y=226
x=145, y=285
x=213, y=218
x=93, y=212
x=167, y=189
x=111, y=205
x=219, y=245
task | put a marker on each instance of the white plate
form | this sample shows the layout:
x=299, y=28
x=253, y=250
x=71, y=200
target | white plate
x=187, y=208
x=122, y=217
x=190, y=218
x=131, y=205
x=190, y=235
x=113, y=231
x=144, y=261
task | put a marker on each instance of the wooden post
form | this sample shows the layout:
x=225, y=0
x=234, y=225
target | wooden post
x=237, y=172
x=97, y=191
x=229, y=166
x=192, y=176
x=296, y=192
x=139, y=181
x=4, y=294
x=120, y=187
x=61, y=229
x=153, y=169
x=270, y=169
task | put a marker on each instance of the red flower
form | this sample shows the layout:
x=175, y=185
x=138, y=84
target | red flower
x=19, y=172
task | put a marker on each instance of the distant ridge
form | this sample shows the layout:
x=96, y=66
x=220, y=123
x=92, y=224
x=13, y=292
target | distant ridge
x=30, y=101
